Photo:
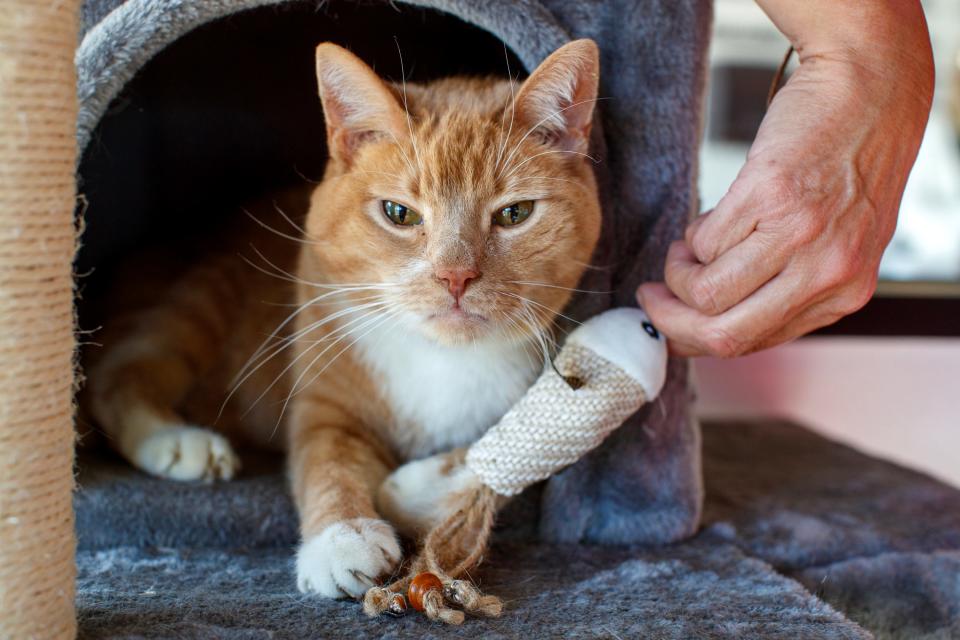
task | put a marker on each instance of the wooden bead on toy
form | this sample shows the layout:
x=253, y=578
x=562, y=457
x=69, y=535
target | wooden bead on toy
x=419, y=586
x=397, y=605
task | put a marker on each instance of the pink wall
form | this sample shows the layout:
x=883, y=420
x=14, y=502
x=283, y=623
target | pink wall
x=897, y=398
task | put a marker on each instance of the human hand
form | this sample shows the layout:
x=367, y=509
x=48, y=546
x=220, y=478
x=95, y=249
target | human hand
x=796, y=242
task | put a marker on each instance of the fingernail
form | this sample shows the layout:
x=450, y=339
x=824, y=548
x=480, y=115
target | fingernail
x=639, y=295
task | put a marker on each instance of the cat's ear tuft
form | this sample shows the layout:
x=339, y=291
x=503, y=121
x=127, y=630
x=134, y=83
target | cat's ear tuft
x=556, y=102
x=358, y=106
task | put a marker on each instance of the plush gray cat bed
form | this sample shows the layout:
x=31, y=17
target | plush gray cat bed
x=802, y=538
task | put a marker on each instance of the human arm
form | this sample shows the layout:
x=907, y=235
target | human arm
x=796, y=242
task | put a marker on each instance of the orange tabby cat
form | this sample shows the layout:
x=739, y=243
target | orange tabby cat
x=452, y=221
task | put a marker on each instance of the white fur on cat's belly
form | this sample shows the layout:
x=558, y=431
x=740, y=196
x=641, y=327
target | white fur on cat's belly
x=443, y=397
x=346, y=558
x=185, y=453
x=416, y=496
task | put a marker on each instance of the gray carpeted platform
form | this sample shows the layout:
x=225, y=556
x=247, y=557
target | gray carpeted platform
x=802, y=538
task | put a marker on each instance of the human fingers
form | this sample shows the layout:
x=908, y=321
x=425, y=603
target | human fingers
x=729, y=223
x=666, y=310
x=719, y=285
x=739, y=330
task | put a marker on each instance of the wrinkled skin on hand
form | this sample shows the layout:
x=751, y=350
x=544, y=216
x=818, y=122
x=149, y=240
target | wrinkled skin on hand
x=796, y=242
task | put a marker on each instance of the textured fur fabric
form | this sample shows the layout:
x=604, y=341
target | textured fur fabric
x=644, y=484
x=552, y=591
x=797, y=531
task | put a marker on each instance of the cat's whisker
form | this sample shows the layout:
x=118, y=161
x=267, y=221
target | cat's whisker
x=389, y=315
x=375, y=322
x=547, y=153
x=523, y=333
x=270, y=303
x=291, y=317
x=552, y=325
x=303, y=354
x=406, y=109
x=286, y=275
x=278, y=344
x=537, y=125
x=538, y=304
x=513, y=110
x=293, y=388
x=541, y=328
x=278, y=273
x=275, y=335
x=507, y=327
x=249, y=369
x=578, y=185
x=403, y=152
x=538, y=331
x=297, y=171
x=296, y=387
x=265, y=271
x=554, y=286
x=395, y=176
x=593, y=267
x=289, y=220
x=277, y=232
x=299, y=334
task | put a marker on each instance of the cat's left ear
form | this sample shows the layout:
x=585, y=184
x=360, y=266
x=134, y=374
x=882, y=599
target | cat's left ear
x=358, y=106
x=556, y=102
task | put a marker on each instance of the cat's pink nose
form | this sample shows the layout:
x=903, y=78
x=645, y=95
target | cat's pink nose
x=457, y=280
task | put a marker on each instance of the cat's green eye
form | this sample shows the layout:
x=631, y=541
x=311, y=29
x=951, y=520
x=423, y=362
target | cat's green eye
x=400, y=214
x=514, y=214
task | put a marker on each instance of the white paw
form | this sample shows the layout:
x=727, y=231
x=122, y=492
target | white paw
x=187, y=453
x=346, y=558
x=420, y=494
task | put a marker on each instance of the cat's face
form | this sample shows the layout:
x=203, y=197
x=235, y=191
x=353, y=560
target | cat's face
x=473, y=218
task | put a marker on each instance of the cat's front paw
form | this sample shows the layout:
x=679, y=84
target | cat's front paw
x=422, y=493
x=346, y=558
x=187, y=453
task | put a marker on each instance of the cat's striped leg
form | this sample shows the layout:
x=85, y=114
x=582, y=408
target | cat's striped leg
x=150, y=361
x=345, y=545
x=132, y=390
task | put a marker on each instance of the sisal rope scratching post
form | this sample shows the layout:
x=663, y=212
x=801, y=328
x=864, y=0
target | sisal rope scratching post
x=38, y=110
x=608, y=368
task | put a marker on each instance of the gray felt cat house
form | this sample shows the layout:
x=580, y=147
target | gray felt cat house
x=189, y=108
x=185, y=109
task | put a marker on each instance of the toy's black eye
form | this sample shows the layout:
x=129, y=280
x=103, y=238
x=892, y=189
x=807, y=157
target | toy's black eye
x=651, y=330
x=400, y=214
x=514, y=214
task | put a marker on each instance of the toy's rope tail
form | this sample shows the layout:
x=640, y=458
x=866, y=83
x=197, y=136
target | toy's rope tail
x=450, y=551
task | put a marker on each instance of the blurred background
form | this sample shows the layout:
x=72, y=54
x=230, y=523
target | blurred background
x=884, y=379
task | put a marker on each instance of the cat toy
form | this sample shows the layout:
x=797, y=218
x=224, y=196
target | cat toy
x=607, y=369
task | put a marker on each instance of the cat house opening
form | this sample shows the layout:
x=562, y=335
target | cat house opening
x=230, y=111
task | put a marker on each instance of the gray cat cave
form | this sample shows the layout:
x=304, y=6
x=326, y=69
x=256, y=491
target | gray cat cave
x=187, y=109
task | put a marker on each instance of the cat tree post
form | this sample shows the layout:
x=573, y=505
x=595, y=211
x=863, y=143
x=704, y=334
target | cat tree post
x=38, y=110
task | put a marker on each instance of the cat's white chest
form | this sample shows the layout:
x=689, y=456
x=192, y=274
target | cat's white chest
x=445, y=397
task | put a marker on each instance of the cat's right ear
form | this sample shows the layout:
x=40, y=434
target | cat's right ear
x=557, y=101
x=358, y=106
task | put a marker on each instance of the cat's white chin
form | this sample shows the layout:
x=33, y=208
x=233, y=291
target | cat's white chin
x=456, y=326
